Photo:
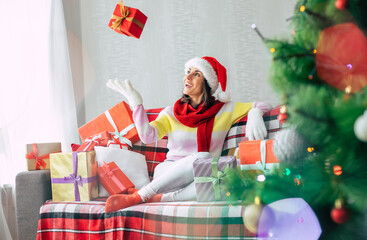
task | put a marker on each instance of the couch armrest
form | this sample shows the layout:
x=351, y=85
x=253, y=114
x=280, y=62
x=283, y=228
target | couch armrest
x=32, y=189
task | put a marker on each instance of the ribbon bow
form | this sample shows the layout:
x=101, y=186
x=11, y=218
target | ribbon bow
x=124, y=13
x=111, y=175
x=118, y=135
x=77, y=179
x=39, y=159
x=262, y=164
x=216, y=177
x=108, y=170
x=97, y=139
x=124, y=10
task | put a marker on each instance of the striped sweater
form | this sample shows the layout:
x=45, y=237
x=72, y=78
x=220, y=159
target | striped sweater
x=182, y=140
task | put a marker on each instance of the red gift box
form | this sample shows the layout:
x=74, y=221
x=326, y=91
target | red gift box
x=118, y=121
x=100, y=139
x=114, y=144
x=113, y=179
x=258, y=155
x=127, y=20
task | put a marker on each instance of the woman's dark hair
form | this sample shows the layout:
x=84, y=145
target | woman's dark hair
x=208, y=100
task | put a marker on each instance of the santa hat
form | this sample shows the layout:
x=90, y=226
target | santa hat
x=214, y=73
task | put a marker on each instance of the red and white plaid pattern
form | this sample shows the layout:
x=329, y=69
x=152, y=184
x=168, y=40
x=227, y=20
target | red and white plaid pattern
x=238, y=130
x=174, y=220
x=171, y=220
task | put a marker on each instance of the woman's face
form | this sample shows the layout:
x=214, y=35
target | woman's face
x=193, y=82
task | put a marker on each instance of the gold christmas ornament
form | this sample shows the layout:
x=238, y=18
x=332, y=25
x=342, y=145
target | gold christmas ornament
x=251, y=215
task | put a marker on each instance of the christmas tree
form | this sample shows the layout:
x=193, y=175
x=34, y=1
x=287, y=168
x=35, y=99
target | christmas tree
x=321, y=74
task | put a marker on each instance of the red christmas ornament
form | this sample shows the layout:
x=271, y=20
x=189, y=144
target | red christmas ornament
x=282, y=117
x=341, y=4
x=340, y=215
x=341, y=57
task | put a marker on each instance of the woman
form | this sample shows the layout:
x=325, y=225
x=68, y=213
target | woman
x=196, y=125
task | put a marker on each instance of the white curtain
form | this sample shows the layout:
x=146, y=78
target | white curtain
x=36, y=92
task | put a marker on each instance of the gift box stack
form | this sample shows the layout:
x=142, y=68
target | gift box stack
x=258, y=156
x=118, y=122
x=78, y=175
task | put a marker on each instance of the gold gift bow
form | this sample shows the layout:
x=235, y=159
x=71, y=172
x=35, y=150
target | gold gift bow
x=124, y=13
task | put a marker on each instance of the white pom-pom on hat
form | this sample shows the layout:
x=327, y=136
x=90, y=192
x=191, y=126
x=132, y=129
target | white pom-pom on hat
x=213, y=72
x=224, y=97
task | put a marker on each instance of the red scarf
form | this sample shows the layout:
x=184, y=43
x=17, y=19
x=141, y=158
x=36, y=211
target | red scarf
x=202, y=118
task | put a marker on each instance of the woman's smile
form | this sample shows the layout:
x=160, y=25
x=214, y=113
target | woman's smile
x=193, y=82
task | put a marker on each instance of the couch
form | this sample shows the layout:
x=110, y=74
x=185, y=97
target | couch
x=41, y=218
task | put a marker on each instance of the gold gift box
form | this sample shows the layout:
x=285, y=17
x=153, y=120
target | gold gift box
x=74, y=180
x=42, y=150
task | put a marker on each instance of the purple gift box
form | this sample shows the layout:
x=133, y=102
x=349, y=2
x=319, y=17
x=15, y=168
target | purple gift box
x=208, y=177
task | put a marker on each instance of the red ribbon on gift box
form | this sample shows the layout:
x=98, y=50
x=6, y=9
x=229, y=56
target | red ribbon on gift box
x=39, y=159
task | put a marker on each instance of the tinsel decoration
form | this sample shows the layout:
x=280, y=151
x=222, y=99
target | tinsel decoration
x=289, y=146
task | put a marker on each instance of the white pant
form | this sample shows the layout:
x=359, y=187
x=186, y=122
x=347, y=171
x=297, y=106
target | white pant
x=176, y=178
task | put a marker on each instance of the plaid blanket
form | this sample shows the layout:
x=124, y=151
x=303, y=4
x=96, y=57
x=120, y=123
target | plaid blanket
x=174, y=220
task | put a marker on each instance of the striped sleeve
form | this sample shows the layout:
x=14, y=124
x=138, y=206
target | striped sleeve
x=162, y=123
x=240, y=110
x=147, y=132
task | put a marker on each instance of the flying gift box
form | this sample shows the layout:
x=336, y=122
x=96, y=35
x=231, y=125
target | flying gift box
x=127, y=20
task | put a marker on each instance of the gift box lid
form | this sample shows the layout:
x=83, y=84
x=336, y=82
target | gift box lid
x=44, y=148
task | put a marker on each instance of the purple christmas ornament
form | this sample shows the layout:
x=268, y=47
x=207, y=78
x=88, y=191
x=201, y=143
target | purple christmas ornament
x=293, y=219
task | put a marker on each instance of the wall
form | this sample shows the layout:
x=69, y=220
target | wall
x=175, y=32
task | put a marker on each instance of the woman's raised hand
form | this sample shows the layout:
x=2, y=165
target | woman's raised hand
x=255, y=127
x=126, y=89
